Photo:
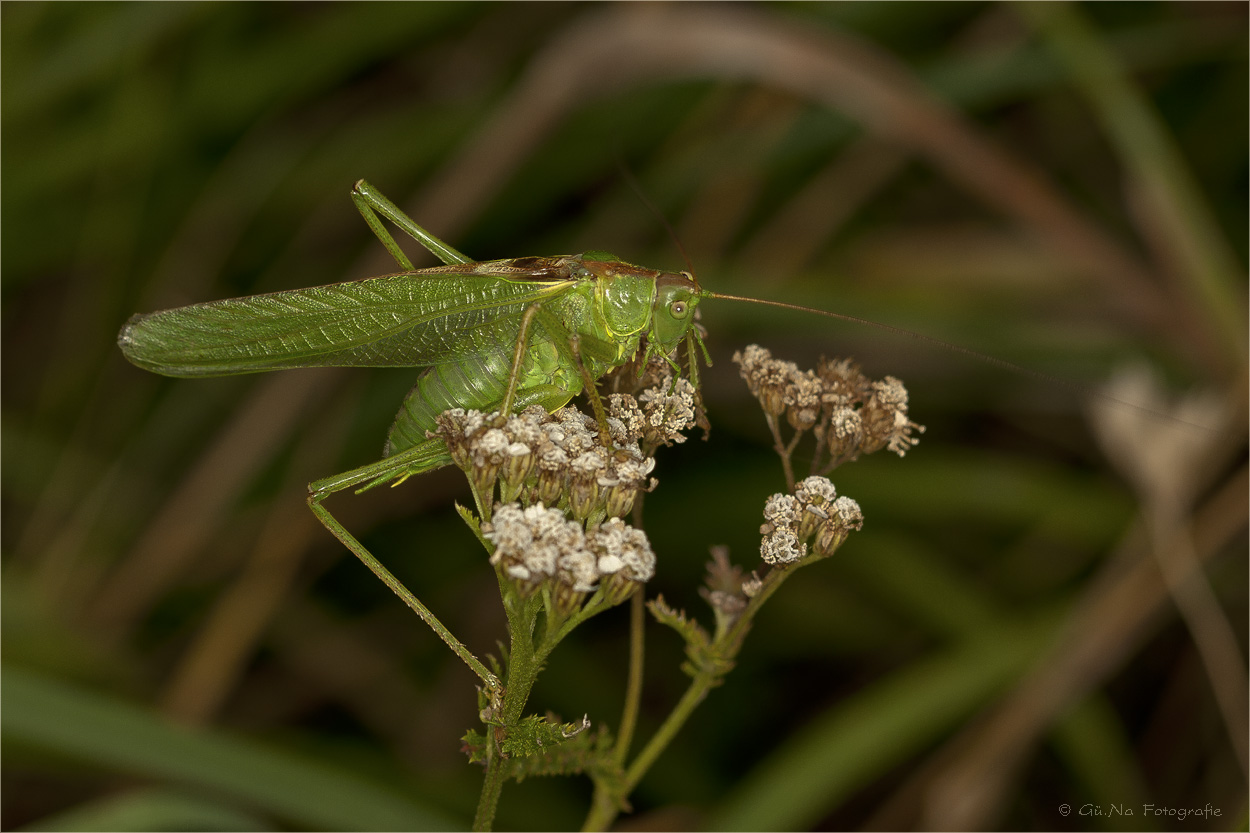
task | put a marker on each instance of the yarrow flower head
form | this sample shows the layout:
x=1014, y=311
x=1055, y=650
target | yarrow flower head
x=849, y=412
x=885, y=418
x=668, y=410
x=813, y=515
x=561, y=458
x=529, y=542
x=535, y=545
x=623, y=557
x=766, y=377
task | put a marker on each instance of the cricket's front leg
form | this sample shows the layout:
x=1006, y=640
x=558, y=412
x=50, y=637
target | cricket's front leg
x=569, y=343
x=592, y=392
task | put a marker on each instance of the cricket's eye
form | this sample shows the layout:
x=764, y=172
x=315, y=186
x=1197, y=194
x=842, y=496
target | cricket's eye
x=678, y=309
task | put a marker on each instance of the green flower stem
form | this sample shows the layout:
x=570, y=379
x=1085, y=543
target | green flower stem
x=606, y=806
x=607, y=802
x=496, y=774
x=699, y=687
x=602, y=808
x=607, y=796
x=768, y=587
x=525, y=660
x=633, y=685
x=560, y=627
x=703, y=682
x=782, y=451
x=524, y=663
x=483, y=506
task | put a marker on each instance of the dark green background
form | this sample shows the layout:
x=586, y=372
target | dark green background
x=161, y=570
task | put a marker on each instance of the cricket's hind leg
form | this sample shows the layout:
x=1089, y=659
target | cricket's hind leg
x=429, y=455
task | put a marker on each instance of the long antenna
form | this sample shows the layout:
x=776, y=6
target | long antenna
x=1003, y=364
x=636, y=187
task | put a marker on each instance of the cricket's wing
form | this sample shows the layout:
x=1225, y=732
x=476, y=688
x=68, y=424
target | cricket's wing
x=411, y=319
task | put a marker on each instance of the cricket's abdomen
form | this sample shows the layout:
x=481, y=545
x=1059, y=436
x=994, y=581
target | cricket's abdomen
x=480, y=383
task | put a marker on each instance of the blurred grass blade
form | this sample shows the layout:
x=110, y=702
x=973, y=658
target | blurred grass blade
x=1185, y=220
x=862, y=738
x=60, y=718
x=1091, y=740
x=150, y=810
x=904, y=574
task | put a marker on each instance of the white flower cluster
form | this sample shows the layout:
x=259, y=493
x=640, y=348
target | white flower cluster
x=536, y=544
x=540, y=457
x=668, y=410
x=813, y=513
x=854, y=414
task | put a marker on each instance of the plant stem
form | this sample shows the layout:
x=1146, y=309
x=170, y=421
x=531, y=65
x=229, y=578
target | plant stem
x=694, y=695
x=633, y=685
x=779, y=446
x=607, y=795
x=496, y=774
x=524, y=663
x=605, y=808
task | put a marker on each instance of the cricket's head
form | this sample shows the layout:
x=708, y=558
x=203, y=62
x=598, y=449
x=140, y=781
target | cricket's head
x=624, y=289
x=677, y=294
x=638, y=301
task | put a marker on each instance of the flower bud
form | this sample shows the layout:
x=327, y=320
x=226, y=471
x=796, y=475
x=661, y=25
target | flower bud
x=489, y=451
x=846, y=432
x=553, y=466
x=519, y=462
x=773, y=399
x=584, y=484
x=452, y=430
x=813, y=517
x=618, y=588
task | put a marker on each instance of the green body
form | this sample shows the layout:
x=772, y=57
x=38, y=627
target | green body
x=493, y=336
x=465, y=322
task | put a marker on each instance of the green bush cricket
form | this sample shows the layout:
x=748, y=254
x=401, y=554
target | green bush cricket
x=495, y=335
